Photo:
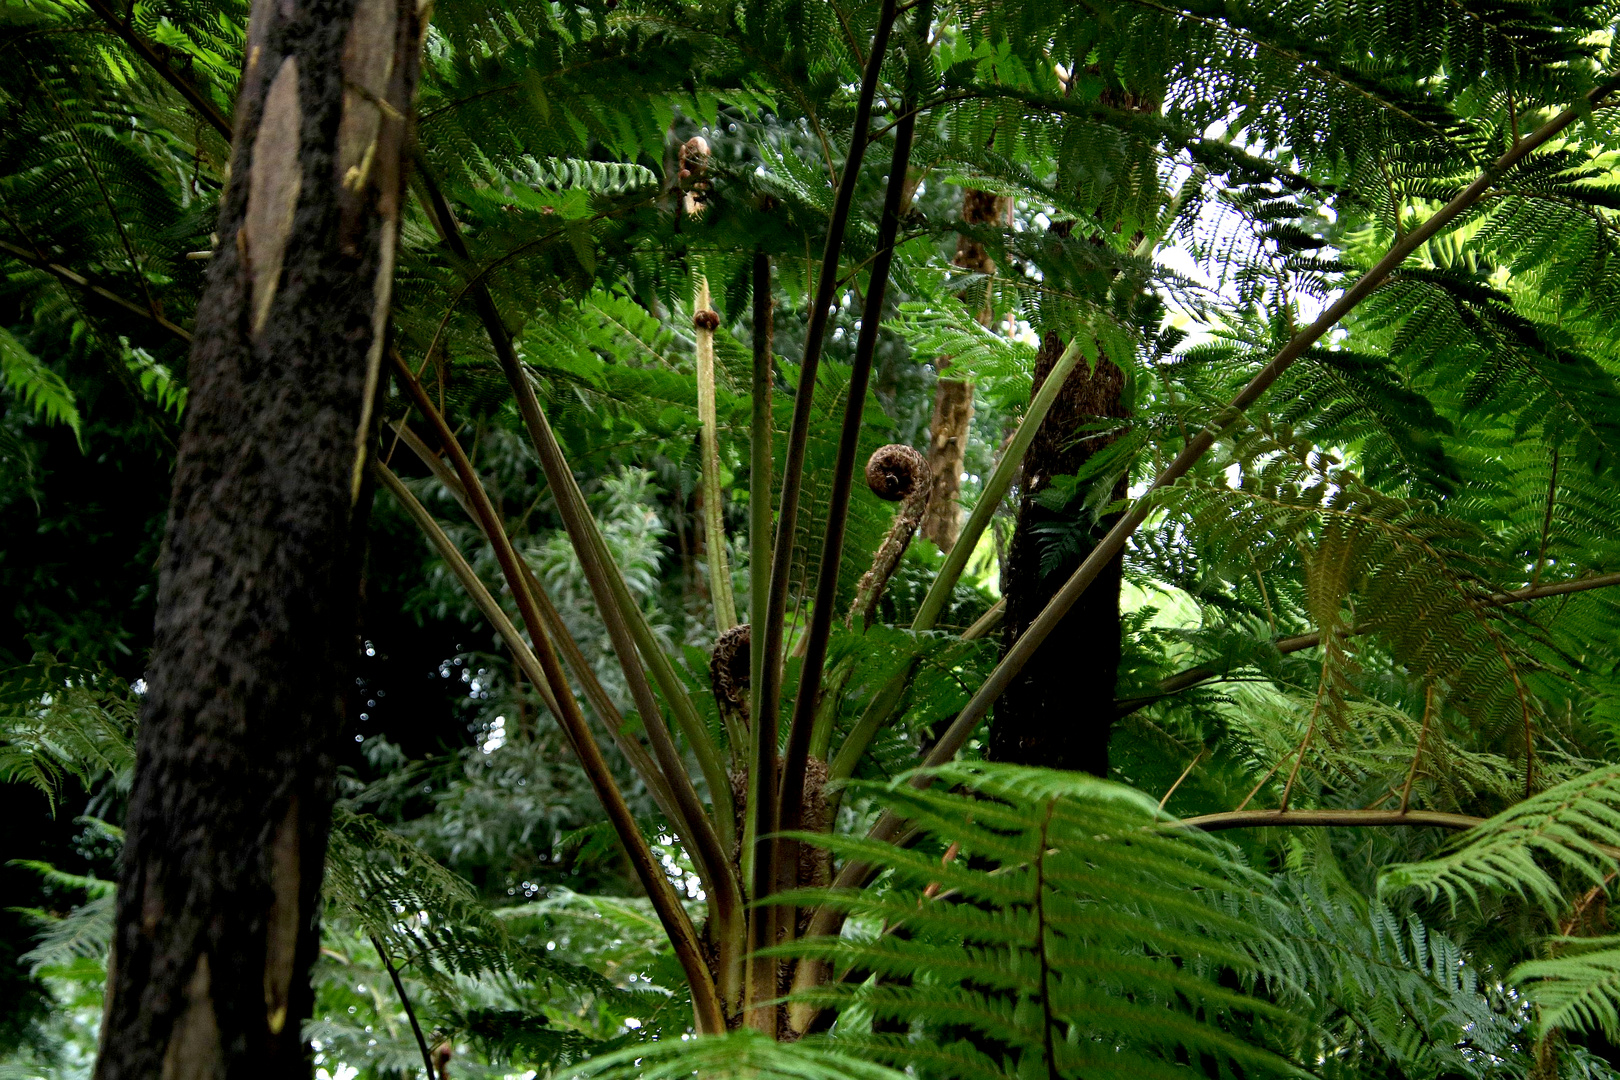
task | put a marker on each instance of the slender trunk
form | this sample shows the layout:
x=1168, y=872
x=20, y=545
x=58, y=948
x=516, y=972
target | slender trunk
x=1072, y=675
x=219, y=889
x=953, y=398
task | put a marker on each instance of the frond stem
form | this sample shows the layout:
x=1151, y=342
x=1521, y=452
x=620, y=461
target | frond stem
x=995, y=489
x=824, y=608
x=1259, y=819
x=405, y=1000
x=1417, y=752
x=632, y=750
x=770, y=641
x=623, y=620
x=706, y=1007
x=761, y=758
x=79, y=281
x=1191, y=765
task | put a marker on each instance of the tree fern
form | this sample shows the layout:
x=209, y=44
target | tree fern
x=1578, y=987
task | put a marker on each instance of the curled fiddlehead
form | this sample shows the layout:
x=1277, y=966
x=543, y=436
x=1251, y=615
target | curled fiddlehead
x=900, y=474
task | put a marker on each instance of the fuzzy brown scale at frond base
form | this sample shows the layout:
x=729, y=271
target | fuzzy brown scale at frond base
x=729, y=673
x=895, y=473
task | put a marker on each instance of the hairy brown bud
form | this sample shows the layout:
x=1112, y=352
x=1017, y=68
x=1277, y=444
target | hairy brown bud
x=729, y=668
x=706, y=320
x=896, y=471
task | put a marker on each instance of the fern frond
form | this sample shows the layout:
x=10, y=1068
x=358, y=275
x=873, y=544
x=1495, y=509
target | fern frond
x=1059, y=927
x=1578, y=988
x=37, y=386
x=1572, y=829
x=59, y=721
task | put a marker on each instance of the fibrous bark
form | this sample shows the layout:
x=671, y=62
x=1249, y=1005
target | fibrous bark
x=226, y=836
x=953, y=398
x=1059, y=709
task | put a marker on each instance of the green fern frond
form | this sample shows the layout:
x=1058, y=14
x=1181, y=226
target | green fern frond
x=1576, y=989
x=1572, y=829
x=37, y=386
x=58, y=721
x=1059, y=926
x=426, y=917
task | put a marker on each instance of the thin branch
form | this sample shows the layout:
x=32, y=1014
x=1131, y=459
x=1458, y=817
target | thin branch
x=1191, y=765
x=1546, y=521
x=1255, y=819
x=1322, y=690
x=1417, y=752
x=708, y=1014
x=79, y=281
x=410, y=1013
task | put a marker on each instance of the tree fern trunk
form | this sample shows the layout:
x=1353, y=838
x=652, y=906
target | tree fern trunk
x=227, y=829
x=1059, y=709
x=953, y=398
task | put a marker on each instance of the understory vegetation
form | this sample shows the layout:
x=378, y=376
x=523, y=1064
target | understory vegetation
x=1003, y=539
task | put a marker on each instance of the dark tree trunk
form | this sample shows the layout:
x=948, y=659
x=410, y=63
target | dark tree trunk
x=255, y=631
x=953, y=398
x=1059, y=710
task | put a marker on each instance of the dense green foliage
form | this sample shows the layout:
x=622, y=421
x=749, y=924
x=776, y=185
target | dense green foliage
x=1191, y=185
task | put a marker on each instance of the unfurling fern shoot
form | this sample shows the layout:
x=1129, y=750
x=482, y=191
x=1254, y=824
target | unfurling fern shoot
x=895, y=473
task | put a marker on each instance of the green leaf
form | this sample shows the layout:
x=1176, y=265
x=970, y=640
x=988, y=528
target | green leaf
x=38, y=386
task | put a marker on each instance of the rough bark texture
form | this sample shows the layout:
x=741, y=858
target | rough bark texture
x=255, y=628
x=953, y=398
x=1058, y=712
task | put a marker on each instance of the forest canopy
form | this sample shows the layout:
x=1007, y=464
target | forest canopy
x=835, y=540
